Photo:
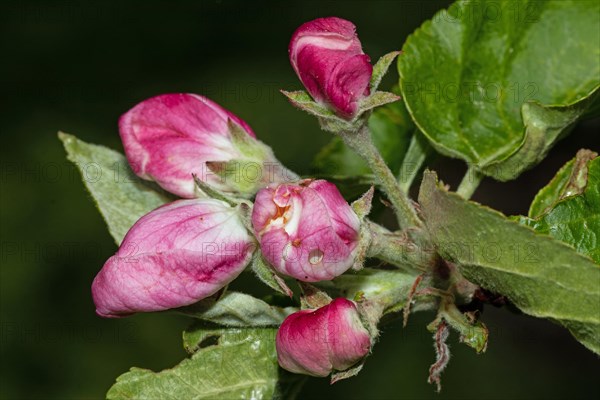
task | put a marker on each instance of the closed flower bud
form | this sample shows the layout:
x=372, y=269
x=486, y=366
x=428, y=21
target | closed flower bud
x=170, y=137
x=172, y=257
x=307, y=230
x=318, y=342
x=328, y=58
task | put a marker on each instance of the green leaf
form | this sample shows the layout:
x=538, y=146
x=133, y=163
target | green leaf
x=570, y=180
x=241, y=365
x=240, y=310
x=541, y=276
x=496, y=83
x=574, y=216
x=391, y=129
x=552, y=192
x=120, y=195
x=543, y=127
x=593, y=110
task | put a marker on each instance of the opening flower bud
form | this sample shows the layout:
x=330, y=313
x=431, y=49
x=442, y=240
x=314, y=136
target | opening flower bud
x=168, y=138
x=328, y=58
x=173, y=256
x=318, y=342
x=306, y=230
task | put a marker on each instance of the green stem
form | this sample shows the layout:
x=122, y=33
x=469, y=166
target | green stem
x=387, y=289
x=469, y=183
x=399, y=250
x=418, y=151
x=360, y=142
x=474, y=334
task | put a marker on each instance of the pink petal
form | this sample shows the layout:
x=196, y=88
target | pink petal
x=345, y=222
x=348, y=339
x=306, y=231
x=169, y=137
x=302, y=343
x=264, y=209
x=349, y=83
x=174, y=256
x=317, y=342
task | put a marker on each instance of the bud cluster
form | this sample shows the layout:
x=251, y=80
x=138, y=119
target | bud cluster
x=190, y=249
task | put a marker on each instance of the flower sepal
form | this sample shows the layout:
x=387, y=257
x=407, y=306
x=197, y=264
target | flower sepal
x=337, y=376
x=265, y=272
x=377, y=99
x=255, y=168
x=243, y=207
x=329, y=121
x=206, y=191
x=246, y=145
x=312, y=297
x=381, y=67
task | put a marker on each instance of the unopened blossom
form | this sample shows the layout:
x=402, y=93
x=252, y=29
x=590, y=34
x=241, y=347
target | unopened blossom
x=328, y=58
x=319, y=342
x=170, y=137
x=306, y=230
x=173, y=256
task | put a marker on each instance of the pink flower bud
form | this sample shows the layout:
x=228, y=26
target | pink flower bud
x=306, y=230
x=170, y=137
x=328, y=58
x=173, y=256
x=318, y=342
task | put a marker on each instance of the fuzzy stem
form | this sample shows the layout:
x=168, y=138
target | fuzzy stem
x=360, y=142
x=469, y=183
x=399, y=250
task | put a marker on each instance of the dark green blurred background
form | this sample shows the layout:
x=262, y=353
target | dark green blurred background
x=76, y=66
